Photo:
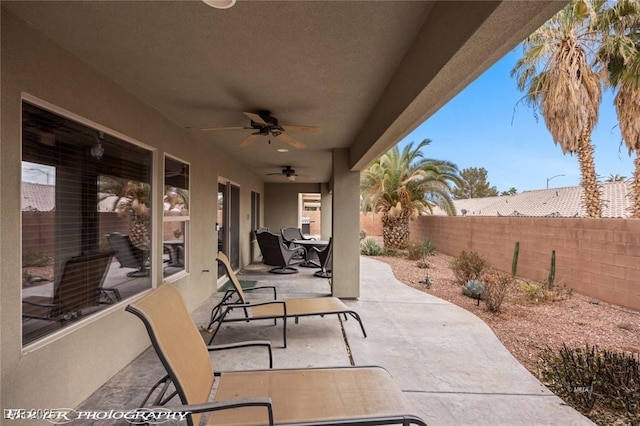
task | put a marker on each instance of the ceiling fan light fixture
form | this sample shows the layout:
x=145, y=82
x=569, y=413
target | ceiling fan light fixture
x=97, y=151
x=220, y=4
x=283, y=150
x=291, y=178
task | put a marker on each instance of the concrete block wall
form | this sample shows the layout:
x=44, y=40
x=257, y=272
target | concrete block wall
x=371, y=224
x=599, y=258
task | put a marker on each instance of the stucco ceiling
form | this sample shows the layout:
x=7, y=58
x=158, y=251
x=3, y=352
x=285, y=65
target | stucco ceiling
x=365, y=72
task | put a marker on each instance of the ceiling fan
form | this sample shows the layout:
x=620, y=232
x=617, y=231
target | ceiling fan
x=287, y=171
x=265, y=124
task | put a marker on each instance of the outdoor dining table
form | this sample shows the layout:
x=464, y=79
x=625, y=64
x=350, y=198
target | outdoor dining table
x=308, y=245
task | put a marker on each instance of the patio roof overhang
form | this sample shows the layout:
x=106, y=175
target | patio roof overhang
x=366, y=73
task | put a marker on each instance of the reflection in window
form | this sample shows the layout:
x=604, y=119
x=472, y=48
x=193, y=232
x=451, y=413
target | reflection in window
x=176, y=216
x=85, y=221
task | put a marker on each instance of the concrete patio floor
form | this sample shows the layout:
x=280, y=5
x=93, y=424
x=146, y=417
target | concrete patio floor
x=447, y=361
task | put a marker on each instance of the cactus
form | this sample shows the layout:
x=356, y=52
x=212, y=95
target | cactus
x=552, y=270
x=514, y=262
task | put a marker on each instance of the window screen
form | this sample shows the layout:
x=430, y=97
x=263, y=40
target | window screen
x=86, y=221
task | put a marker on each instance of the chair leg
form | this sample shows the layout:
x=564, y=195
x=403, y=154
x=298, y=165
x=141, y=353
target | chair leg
x=216, y=310
x=214, y=314
x=357, y=317
x=284, y=330
x=165, y=382
x=220, y=321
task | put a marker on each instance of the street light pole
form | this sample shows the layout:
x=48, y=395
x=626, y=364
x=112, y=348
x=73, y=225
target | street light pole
x=31, y=169
x=549, y=178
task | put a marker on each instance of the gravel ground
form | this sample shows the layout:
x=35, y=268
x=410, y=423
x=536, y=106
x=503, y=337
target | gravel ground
x=525, y=326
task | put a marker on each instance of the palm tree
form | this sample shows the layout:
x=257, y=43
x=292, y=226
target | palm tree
x=558, y=78
x=401, y=185
x=615, y=178
x=619, y=55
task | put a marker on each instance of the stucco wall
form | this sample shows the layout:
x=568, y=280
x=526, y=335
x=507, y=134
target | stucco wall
x=599, y=258
x=282, y=208
x=65, y=370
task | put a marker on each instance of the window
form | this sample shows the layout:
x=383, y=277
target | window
x=86, y=221
x=176, y=216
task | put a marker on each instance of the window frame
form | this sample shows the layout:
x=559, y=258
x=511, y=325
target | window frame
x=182, y=219
x=70, y=328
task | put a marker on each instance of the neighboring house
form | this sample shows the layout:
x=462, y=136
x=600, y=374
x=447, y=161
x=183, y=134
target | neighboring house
x=37, y=197
x=554, y=202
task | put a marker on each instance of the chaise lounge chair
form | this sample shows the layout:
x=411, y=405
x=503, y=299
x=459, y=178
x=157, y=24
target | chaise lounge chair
x=79, y=288
x=309, y=396
x=272, y=309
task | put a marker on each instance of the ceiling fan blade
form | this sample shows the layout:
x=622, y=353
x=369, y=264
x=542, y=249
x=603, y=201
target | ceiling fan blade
x=305, y=129
x=255, y=118
x=226, y=128
x=249, y=140
x=291, y=141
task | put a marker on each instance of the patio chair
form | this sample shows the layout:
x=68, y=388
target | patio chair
x=290, y=234
x=128, y=255
x=79, y=287
x=276, y=253
x=306, y=396
x=262, y=229
x=325, y=256
x=272, y=309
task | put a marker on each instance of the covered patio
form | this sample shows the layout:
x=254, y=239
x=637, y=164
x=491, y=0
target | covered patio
x=92, y=90
x=447, y=361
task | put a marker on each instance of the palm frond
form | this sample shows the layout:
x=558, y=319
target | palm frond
x=405, y=176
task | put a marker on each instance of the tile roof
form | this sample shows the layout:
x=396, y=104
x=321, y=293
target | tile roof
x=554, y=202
x=38, y=197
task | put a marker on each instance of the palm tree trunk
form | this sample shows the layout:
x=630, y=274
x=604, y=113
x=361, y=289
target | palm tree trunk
x=635, y=190
x=589, y=180
x=395, y=229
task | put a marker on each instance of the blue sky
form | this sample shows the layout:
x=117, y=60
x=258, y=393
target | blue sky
x=485, y=126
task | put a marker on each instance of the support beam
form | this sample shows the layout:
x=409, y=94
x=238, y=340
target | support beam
x=326, y=212
x=346, y=227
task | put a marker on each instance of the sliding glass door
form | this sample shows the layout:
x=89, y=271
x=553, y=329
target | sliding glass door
x=228, y=223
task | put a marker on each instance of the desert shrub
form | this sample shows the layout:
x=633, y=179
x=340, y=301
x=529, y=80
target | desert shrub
x=538, y=293
x=474, y=289
x=589, y=377
x=497, y=286
x=468, y=266
x=419, y=249
x=429, y=248
x=370, y=247
x=36, y=259
x=392, y=252
x=414, y=250
x=423, y=264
